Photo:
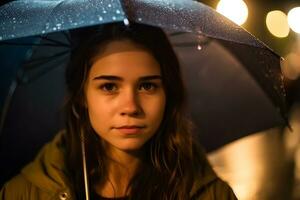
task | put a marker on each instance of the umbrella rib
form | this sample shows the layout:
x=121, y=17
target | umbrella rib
x=190, y=44
x=67, y=37
x=57, y=43
x=177, y=33
x=7, y=103
x=46, y=59
x=37, y=75
x=34, y=77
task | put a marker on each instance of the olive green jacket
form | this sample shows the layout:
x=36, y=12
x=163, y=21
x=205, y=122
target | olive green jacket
x=45, y=178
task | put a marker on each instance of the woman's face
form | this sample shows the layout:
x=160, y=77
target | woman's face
x=125, y=97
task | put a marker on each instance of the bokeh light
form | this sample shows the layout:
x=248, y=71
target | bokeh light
x=293, y=19
x=277, y=23
x=235, y=10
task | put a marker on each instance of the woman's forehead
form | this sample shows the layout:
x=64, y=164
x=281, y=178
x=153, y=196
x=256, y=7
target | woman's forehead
x=120, y=45
x=124, y=58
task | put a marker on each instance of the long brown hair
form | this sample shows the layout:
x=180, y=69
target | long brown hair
x=173, y=155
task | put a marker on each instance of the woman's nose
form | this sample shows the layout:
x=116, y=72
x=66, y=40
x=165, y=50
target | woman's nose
x=130, y=104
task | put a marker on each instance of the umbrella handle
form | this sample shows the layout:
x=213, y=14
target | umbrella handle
x=86, y=184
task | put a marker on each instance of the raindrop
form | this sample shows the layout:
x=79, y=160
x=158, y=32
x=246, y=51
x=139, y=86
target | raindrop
x=1, y=38
x=126, y=22
x=14, y=18
x=118, y=11
x=114, y=18
x=54, y=28
x=109, y=5
x=58, y=25
x=100, y=18
x=104, y=12
x=12, y=35
x=199, y=47
x=139, y=19
x=43, y=31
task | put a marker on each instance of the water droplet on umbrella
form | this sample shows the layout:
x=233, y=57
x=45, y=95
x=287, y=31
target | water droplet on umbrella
x=100, y=18
x=114, y=18
x=126, y=21
x=118, y=11
x=1, y=38
x=43, y=31
x=104, y=11
x=109, y=5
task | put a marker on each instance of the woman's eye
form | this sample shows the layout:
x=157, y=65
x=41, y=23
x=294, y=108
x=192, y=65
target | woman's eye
x=109, y=87
x=148, y=86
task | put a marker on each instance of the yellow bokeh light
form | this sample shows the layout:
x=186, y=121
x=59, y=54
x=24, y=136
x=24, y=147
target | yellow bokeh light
x=293, y=19
x=277, y=23
x=235, y=10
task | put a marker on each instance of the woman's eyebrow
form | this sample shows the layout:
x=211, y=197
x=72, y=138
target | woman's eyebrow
x=152, y=77
x=117, y=78
x=108, y=77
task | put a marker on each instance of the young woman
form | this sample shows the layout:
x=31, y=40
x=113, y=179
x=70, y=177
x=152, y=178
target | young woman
x=126, y=111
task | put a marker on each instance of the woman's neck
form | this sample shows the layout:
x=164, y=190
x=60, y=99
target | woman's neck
x=121, y=167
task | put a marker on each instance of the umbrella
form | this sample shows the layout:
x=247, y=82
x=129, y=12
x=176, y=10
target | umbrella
x=234, y=81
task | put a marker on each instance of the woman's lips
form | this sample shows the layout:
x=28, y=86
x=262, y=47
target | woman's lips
x=130, y=130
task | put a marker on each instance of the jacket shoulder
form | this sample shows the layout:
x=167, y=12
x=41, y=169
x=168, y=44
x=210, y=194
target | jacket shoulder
x=16, y=188
x=40, y=179
x=216, y=190
x=20, y=188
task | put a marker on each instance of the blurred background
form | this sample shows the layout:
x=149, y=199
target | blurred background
x=266, y=165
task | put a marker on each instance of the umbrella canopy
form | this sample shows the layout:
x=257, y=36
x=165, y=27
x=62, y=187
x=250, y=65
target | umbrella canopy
x=234, y=81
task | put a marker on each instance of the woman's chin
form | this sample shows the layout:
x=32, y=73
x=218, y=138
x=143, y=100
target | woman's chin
x=129, y=146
